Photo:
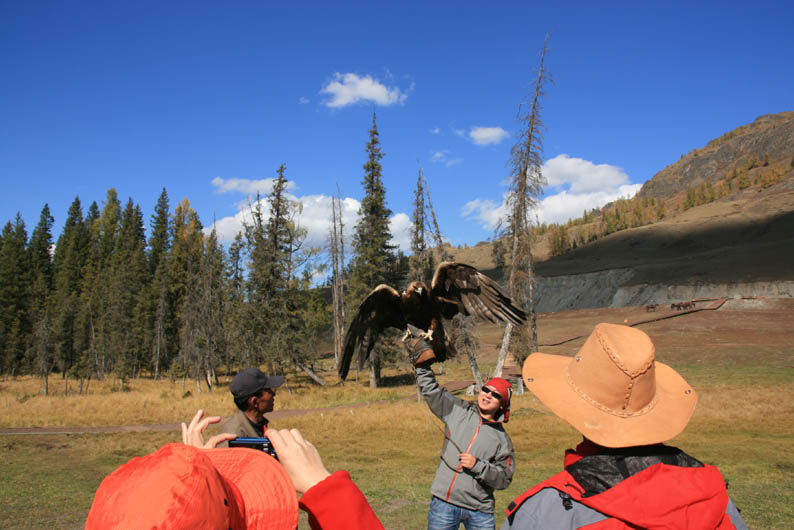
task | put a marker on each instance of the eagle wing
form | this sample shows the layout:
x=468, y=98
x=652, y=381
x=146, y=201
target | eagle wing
x=460, y=288
x=380, y=309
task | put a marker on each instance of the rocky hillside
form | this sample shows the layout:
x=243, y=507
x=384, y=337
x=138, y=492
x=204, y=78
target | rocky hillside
x=740, y=243
x=768, y=141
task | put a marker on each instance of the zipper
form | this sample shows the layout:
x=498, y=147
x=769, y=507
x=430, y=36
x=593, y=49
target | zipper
x=460, y=465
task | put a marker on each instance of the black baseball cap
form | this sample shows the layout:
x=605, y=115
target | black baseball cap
x=249, y=381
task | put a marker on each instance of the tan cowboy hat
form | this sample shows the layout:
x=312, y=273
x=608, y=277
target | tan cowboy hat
x=612, y=391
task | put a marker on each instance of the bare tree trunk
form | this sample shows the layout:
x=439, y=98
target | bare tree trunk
x=500, y=360
x=374, y=368
x=533, y=316
x=157, y=352
x=316, y=378
x=527, y=185
x=442, y=252
x=66, y=384
x=338, y=264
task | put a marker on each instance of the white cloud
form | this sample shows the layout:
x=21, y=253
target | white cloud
x=400, y=228
x=435, y=130
x=247, y=186
x=561, y=207
x=486, y=211
x=315, y=217
x=487, y=135
x=349, y=89
x=304, y=101
x=579, y=184
x=441, y=157
x=582, y=175
x=459, y=132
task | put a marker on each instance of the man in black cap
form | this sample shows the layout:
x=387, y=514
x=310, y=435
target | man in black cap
x=254, y=394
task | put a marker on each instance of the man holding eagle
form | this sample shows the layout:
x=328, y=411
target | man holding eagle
x=477, y=456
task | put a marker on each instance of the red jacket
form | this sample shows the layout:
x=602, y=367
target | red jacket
x=336, y=503
x=659, y=496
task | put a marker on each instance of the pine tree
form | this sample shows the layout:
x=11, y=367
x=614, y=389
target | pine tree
x=374, y=260
x=184, y=260
x=127, y=294
x=41, y=309
x=85, y=329
x=68, y=261
x=15, y=285
x=159, y=306
x=421, y=262
x=237, y=351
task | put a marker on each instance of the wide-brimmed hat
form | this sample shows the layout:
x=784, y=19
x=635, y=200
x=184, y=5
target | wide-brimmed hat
x=612, y=391
x=182, y=487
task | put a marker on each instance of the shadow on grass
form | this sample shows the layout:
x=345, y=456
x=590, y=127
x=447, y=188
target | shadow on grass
x=397, y=380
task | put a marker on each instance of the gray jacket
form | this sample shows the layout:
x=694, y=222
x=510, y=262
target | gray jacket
x=240, y=425
x=488, y=442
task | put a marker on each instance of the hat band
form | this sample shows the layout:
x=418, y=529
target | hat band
x=622, y=414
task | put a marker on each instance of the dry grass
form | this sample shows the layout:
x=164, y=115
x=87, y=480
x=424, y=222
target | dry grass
x=152, y=402
x=740, y=362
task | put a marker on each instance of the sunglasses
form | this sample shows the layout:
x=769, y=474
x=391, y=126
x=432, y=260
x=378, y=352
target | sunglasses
x=489, y=390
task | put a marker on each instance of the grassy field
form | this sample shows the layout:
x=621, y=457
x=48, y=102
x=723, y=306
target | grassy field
x=740, y=361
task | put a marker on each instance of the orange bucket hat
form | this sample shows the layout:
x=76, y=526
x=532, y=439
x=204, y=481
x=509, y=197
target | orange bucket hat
x=181, y=487
x=612, y=391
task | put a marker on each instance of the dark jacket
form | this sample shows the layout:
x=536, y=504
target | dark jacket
x=487, y=441
x=637, y=487
x=240, y=425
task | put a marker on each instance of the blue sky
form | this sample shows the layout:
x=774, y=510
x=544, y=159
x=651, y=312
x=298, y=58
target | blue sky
x=207, y=99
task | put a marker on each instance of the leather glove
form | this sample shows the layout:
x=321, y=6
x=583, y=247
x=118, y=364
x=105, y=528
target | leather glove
x=419, y=349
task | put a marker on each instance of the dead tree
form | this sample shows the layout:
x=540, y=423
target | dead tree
x=526, y=186
x=442, y=251
x=337, y=248
x=462, y=330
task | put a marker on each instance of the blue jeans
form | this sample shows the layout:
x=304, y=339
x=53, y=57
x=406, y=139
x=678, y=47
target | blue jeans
x=446, y=516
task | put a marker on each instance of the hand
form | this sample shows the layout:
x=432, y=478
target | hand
x=417, y=344
x=467, y=460
x=193, y=434
x=299, y=457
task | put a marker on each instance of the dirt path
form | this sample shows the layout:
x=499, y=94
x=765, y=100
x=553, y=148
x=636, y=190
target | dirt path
x=452, y=386
x=716, y=304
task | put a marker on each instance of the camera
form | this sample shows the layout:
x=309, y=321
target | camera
x=260, y=444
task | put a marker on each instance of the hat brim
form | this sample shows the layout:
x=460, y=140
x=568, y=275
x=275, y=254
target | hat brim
x=546, y=376
x=263, y=485
x=274, y=381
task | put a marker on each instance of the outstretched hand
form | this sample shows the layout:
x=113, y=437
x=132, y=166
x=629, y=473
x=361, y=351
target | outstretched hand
x=193, y=434
x=299, y=457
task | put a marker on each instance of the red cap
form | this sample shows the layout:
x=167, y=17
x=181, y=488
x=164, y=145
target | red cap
x=181, y=487
x=505, y=390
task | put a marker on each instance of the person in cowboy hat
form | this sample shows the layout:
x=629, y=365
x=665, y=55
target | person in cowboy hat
x=254, y=395
x=196, y=486
x=477, y=456
x=626, y=405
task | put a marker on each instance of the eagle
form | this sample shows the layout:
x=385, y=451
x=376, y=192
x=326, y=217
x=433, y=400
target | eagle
x=456, y=288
